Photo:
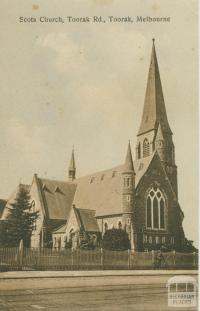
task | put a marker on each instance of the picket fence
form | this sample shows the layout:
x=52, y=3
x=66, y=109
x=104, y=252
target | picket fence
x=12, y=259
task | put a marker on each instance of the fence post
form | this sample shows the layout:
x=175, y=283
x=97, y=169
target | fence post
x=194, y=259
x=129, y=259
x=174, y=258
x=21, y=251
x=72, y=258
x=152, y=257
x=102, y=261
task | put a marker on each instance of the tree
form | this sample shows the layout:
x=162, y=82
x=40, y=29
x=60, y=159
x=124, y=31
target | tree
x=20, y=221
x=116, y=239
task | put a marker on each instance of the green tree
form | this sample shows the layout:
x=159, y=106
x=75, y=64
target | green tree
x=20, y=221
x=116, y=239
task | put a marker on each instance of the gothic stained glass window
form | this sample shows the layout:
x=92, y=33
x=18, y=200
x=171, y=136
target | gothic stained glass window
x=149, y=223
x=162, y=216
x=155, y=213
x=146, y=148
x=155, y=209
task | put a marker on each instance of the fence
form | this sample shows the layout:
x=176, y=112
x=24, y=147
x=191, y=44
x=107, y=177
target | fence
x=48, y=259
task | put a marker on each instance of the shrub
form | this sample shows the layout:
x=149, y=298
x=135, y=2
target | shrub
x=116, y=239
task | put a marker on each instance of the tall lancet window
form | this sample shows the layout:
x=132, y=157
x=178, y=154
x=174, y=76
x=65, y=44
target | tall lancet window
x=139, y=151
x=146, y=148
x=155, y=209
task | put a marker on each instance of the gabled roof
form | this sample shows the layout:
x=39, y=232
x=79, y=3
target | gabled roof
x=154, y=111
x=57, y=197
x=101, y=191
x=61, y=229
x=87, y=219
x=2, y=206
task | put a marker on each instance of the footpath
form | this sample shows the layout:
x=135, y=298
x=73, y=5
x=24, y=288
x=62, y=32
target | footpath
x=95, y=273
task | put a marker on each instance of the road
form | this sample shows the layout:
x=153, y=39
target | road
x=123, y=293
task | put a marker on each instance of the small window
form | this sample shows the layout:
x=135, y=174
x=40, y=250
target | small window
x=102, y=176
x=150, y=239
x=139, y=151
x=128, y=198
x=172, y=240
x=146, y=148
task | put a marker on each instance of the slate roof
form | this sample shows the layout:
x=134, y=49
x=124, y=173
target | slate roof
x=102, y=191
x=87, y=219
x=57, y=197
x=2, y=206
x=61, y=229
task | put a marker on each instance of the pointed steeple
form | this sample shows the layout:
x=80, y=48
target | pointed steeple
x=72, y=167
x=154, y=111
x=128, y=165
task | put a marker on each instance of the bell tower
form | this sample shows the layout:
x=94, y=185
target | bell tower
x=154, y=133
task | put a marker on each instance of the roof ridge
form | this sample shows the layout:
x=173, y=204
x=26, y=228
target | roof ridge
x=100, y=172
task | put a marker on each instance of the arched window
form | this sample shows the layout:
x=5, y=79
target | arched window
x=155, y=209
x=146, y=148
x=155, y=213
x=139, y=151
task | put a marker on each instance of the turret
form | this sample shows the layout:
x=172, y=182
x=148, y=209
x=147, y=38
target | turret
x=128, y=195
x=72, y=168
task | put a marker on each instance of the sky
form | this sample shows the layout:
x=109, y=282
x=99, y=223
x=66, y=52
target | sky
x=83, y=85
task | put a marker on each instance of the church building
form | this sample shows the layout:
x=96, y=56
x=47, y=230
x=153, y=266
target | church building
x=140, y=195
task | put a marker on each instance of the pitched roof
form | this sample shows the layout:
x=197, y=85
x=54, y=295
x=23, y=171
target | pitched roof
x=102, y=191
x=2, y=206
x=57, y=197
x=87, y=219
x=154, y=111
x=61, y=229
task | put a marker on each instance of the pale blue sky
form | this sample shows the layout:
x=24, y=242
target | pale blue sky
x=84, y=85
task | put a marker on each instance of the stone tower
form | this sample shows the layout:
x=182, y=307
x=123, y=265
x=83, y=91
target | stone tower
x=128, y=199
x=154, y=132
x=72, y=168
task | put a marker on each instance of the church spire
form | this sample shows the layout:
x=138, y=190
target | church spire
x=154, y=111
x=128, y=166
x=72, y=167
